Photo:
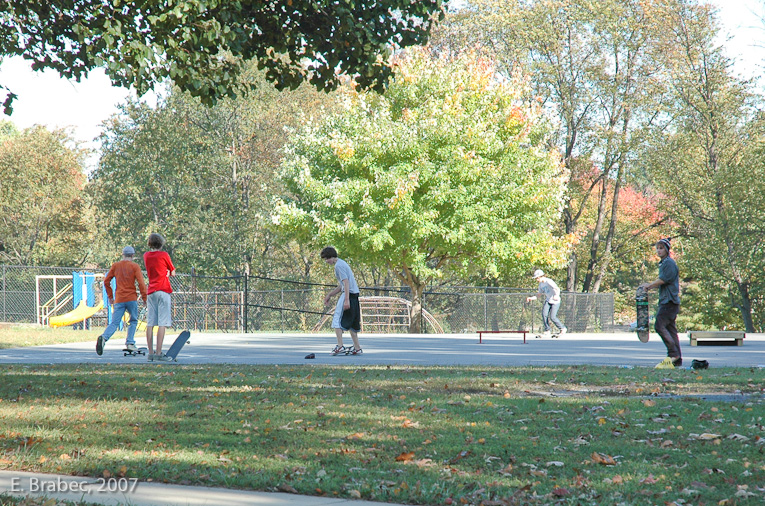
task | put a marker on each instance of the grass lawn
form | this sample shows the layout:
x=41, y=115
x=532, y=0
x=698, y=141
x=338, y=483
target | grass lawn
x=34, y=335
x=431, y=435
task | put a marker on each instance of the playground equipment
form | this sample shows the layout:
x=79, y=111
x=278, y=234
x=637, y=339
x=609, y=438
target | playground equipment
x=85, y=292
x=80, y=313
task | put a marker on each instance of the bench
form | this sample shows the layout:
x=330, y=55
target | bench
x=717, y=335
x=482, y=332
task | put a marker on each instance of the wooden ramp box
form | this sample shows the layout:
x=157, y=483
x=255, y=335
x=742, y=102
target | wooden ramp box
x=717, y=337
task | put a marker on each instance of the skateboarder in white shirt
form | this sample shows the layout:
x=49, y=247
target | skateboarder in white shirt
x=550, y=306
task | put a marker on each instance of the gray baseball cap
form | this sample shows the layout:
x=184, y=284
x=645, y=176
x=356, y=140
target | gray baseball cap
x=128, y=250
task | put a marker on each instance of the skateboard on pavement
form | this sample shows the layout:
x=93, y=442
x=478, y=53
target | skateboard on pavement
x=180, y=341
x=134, y=353
x=553, y=336
x=641, y=307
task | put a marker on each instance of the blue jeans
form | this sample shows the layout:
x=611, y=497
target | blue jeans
x=118, y=310
x=550, y=313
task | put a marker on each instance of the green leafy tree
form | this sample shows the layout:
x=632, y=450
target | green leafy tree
x=202, y=45
x=44, y=217
x=710, y=164
x=450, y=171
x=592, y=64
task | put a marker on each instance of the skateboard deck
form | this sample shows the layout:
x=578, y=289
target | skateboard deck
x=641, y=307
x=134, y=353
x=181, y=340
x=553, y=336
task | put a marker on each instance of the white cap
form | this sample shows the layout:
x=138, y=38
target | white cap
x=538, y=274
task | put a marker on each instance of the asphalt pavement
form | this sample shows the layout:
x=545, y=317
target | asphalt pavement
x=499, y=350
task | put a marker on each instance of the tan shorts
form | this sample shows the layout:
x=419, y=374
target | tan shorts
x=158, y=310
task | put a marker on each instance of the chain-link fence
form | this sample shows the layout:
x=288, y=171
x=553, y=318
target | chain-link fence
x=254, y=304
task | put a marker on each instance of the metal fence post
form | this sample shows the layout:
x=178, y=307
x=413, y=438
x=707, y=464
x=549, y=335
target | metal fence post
x=485, y=310
x=246, y=301
x=5, y=314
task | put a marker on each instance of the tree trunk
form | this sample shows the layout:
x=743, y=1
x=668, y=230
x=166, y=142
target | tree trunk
x=417, y=287
x=416, y=325
x=595, y=244
x=606, y=258
x=746, y=306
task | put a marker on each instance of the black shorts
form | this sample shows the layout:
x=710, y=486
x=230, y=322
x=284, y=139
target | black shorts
x=351, y=319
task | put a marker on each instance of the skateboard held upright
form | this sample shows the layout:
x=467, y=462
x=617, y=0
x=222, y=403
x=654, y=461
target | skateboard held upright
x=181, y=340
x=641, y=307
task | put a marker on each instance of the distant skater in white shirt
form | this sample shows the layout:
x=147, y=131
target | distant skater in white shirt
x=550, y=306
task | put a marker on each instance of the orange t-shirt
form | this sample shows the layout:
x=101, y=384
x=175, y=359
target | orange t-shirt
x=127, y=273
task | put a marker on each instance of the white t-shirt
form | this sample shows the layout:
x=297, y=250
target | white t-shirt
x=343, y=271
x=548, y=287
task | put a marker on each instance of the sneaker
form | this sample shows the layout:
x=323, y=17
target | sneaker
x=665, y=364
x=699, y=364
x=163, y=358
x=100, y=345
x=355, y=351
x=563, y=331
x=677, y=362
x=150, y=358
x=339, y=350
x=131, y=347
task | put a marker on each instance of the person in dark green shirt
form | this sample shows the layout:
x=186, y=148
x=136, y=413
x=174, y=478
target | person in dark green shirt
x=668, y=284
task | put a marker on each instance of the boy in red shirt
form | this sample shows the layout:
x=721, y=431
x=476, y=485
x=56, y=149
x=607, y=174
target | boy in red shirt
x=159, y=268
x=127, y=274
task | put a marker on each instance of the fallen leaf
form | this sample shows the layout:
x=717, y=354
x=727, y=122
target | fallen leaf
x=649, y=480
x=461, y=455
x=617, y=480
x=405, y=457
x=600, y=458
x=707, y=436
x=560, y=492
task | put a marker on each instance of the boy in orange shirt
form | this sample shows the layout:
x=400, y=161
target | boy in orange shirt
x=128, y=274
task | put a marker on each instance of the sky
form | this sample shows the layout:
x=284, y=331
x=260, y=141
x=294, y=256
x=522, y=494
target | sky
x=46, y=99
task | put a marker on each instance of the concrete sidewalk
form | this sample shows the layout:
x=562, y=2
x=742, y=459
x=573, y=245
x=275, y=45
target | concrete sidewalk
x=621, y=349
x=90, y=490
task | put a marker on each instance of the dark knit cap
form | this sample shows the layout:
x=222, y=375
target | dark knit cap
x=665, y=242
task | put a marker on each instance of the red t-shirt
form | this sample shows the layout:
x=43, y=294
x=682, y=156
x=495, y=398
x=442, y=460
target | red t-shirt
x=158, y=269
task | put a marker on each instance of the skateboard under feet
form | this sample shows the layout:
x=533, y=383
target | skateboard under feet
x=553, y=336
x=345, y=350
x=134, y=353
